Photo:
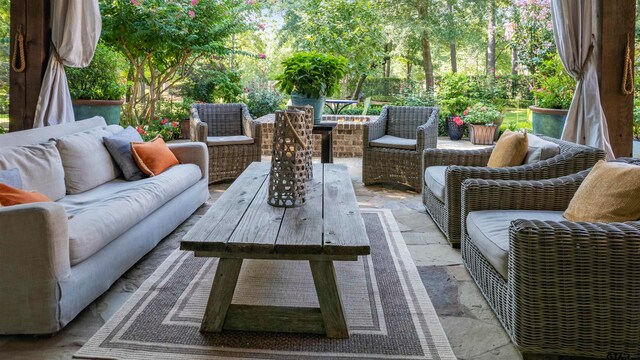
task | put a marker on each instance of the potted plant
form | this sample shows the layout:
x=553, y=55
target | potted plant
x=309, y=77
x=482, y=119
x=553, y=98
x=98, y=90
x=455, y=127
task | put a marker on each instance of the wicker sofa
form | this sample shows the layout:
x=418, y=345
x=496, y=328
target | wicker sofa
x=558, y=287
x=454, y=166
x=393, y=145
x=234, y=139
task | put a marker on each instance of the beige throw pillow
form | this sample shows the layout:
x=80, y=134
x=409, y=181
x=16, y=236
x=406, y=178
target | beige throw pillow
x=610, y=193
x=510, y=150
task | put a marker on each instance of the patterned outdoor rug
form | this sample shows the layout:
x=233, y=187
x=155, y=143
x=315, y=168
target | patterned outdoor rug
x=390, y=315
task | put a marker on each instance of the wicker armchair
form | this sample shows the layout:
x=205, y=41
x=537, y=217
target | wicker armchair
x=394, y=142
x=234, y=139
x=471, y=164
x=568, y=288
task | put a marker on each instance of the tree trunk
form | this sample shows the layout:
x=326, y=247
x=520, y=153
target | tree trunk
x=514, y=61
x=491, y=39
x=452, y=44
x=356, y=92
x=427, y=64
x=409, y=68
x=454, y=60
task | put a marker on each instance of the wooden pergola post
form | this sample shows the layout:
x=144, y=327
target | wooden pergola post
x=617, y=21
x=24, y=87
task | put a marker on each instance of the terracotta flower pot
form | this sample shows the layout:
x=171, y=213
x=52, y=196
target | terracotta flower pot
x=482, y=134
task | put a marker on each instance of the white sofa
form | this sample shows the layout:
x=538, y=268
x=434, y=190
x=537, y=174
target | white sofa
x=56, y=258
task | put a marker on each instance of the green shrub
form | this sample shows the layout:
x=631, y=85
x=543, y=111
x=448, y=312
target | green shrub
x=3, y=130
x=416, y=100
x=212, y=82
x=358, y=111
x=103, y=79
x=312, y=74
x=482, y=114
x=174, y=111
x=166, y=128
x=376, y=86
x=555, y=86
x=636, y=123
x=263, y=101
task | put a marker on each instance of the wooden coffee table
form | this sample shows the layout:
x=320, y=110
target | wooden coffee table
x=241, y=225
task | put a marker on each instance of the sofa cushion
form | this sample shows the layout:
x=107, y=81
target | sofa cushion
x=610, y=193
x=10, y=196
x=434, y=179
x=11, y=177
x=229, y=140
x=86, y=161
x=510, y=150
x=119, y=146
x=153, y=157
x=40, y=167
x=540, y=149
x=394, y=142
x=100, y=215
x=489, y=231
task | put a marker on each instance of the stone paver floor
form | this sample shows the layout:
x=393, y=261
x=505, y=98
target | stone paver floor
x=471, y=326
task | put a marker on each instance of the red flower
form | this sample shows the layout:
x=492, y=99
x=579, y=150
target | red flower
x=164, y=121
x=141, y=131
x=466, y=112
x=175, y=124
x=262, y=56
x=458, y=121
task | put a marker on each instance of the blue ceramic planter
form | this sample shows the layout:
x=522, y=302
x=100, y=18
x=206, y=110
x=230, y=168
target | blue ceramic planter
x=549, y=122
x=108, y=109
x=318, y=105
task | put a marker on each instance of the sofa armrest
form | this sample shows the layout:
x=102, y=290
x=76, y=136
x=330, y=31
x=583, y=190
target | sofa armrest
x=192, y=153
x=35, y=256
x=427, y=135
x=198, y=129
x=585, y=274
x=446, y=157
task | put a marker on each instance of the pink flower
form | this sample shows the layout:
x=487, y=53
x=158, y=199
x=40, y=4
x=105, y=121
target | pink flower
x=466, y=112
x=141, y=131
x=194, y=2
x=250, y=2
x=261, y=26
x=135, y=2
x=192, y=14
x=164, y=121
x=262, y=56
x=458, y=121
x=484, y=108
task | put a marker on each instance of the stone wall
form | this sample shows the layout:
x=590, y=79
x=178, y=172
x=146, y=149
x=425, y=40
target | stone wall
x=347, y=135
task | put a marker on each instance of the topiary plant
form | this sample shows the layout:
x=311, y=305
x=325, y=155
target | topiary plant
x=311, y=74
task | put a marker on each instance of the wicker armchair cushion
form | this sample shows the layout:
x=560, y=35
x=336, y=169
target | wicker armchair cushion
x=229, y=140
x=510, y=150
x=540, y=149
x=434, y=179
x=489, y=231
x=608, y=194
x=394, y=142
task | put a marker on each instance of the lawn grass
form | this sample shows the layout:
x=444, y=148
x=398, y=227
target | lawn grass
x=517, y=119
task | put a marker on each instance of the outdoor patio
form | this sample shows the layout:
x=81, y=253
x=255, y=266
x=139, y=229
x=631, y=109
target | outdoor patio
x=469, y=323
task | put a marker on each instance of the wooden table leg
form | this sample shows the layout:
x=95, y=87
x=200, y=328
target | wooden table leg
x=224, y=284
x=324, y=277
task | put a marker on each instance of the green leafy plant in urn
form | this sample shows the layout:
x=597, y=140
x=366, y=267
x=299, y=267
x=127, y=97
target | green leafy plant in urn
x=309, y=77
x=98, y=89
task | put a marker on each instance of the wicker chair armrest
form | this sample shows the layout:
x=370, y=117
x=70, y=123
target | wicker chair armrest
x=445, y=157
x=375, y=129
x=198, y=130
x=427, y=136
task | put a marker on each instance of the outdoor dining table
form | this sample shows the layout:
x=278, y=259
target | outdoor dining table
x=337, y=105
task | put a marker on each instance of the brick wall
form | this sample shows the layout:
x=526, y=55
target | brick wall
x=347, y=135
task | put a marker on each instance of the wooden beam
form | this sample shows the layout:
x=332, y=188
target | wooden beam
x=616, y=20
x=24, y=88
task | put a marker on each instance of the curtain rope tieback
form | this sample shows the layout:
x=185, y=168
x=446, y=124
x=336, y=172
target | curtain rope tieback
x=627, y=76
x=18, y=52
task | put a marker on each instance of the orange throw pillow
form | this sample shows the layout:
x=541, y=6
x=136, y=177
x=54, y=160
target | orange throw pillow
x=11, y=196
x=153, y=157
x=510, y=150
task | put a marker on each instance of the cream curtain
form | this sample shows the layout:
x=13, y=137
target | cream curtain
x=75, y=30
x=573, y=30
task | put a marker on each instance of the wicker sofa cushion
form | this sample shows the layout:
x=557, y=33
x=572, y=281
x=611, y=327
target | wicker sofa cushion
x=540, y=149
x=229, y=140
x=489, y=231
x=394, y=142
x=434, y=179
x=608, y=194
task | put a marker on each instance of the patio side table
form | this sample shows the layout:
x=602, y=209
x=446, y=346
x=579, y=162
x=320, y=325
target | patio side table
x=326, y=130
